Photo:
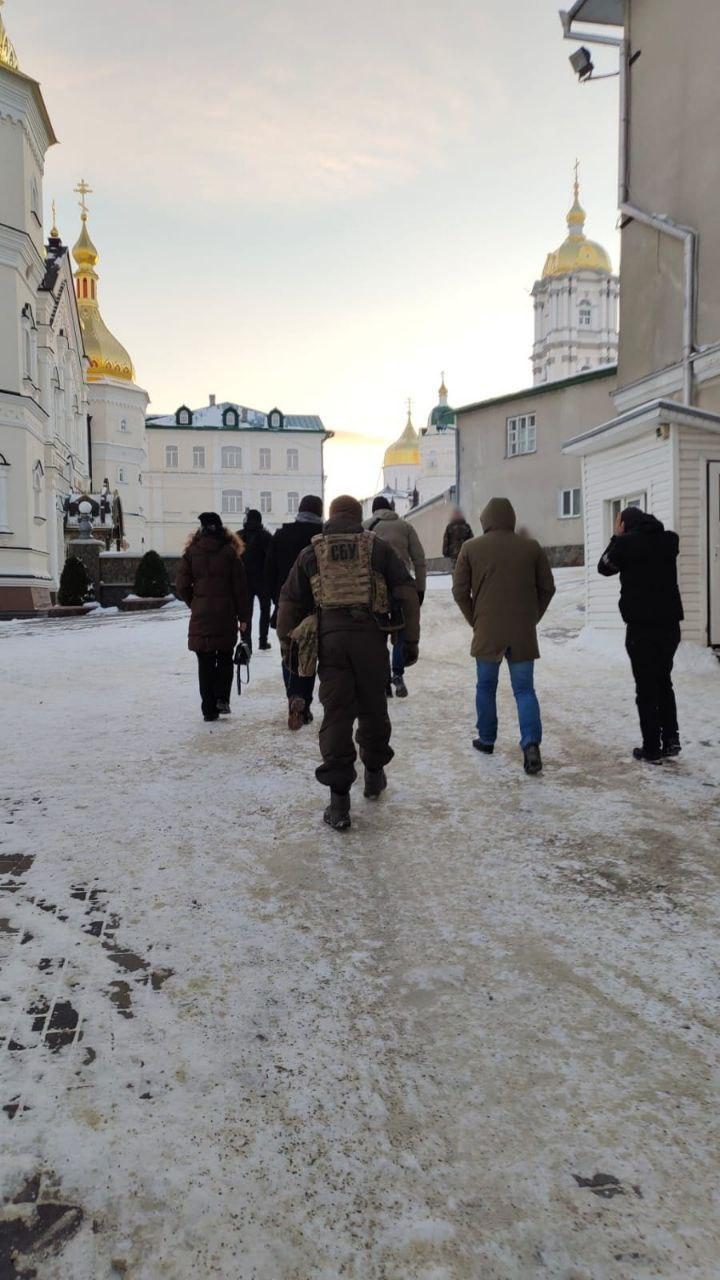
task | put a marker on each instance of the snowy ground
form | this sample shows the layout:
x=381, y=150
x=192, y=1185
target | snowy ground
x=234, y=1044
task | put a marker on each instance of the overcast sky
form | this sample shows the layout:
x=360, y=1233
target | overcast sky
x=316, y=203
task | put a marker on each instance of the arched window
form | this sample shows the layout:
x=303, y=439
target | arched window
x=35, y=198
x=230, y=417
x=184, y=416
x=38, y=479
x=29, y=332
x=4, y=479
x=276, y=420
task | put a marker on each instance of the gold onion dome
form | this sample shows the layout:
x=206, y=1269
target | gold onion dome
x=577, y=253
x=108, y=357
x=8, y=56
x=406, y=450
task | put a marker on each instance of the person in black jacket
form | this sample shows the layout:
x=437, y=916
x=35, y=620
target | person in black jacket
x=256, y=541
x=645, y=555
x=285, y=547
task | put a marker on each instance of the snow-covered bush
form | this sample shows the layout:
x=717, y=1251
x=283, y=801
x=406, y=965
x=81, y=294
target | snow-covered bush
x=151, y=578
x=74, y=582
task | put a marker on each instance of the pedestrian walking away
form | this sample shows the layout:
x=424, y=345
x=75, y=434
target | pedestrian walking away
x=645, y=555
x=351, y=586
x=285, y=547
x=403, y=539
x=256, y=540
x=503, y=585
x=211, y=580
x=457, y=532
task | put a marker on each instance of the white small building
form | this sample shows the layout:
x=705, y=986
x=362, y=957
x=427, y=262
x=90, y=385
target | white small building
x=662, y=456
x=228, y=458
x=438, y=450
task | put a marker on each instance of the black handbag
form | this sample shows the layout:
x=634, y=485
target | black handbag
x=241, y=658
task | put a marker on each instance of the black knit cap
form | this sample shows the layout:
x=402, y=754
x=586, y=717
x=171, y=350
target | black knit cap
x=210, y=522
x=632, y=517
x=311, y=504
x=381, y=504
x=253, y=519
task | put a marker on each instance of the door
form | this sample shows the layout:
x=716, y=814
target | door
x=714, y=550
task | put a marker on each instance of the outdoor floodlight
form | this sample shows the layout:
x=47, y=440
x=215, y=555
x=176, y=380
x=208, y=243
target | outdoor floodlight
x=582, y=63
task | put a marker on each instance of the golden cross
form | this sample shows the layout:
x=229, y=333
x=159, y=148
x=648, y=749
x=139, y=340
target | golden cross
x=82, y=190
x=577, y=179
x=409, y=404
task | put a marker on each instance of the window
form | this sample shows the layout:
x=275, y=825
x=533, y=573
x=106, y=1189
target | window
x=35, y=199
x=293, y=460
x=264, y=459
x=171, y=456
x=265, y=503
x=276, y=419
x=199, y=456
x=123, y=424
x=232, y=503
x=585, y=315
x=184, y=416
x=521, y=435
x=230, y=417
x=38, y=476
x=432, y=460
x=4, y=473
x=231, y=458
x=293, y=503
x=121, y=475
x=616, y=505
x=569, y=503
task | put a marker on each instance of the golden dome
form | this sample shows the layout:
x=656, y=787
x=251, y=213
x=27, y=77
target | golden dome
x=405, y=452
x=577, y=253
x=108, y=357
x=8, y=56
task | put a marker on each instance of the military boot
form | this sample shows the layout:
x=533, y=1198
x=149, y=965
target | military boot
x=375, y=784
x=337, y=814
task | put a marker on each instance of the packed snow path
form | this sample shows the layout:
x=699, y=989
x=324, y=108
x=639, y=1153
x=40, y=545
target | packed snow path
x=473, y=1039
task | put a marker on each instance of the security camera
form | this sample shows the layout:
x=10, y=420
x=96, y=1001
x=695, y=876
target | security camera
x=582, y=63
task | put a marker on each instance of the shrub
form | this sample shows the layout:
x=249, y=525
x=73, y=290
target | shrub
x=151, y=578
x=74, y=582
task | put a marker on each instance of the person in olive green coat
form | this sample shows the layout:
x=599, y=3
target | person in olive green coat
x=402, y=537
x=503, y=585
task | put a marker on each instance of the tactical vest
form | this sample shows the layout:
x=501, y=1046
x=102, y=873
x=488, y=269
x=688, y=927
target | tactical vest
x=345, y=578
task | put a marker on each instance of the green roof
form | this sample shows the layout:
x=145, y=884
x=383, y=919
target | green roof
x=541, y=389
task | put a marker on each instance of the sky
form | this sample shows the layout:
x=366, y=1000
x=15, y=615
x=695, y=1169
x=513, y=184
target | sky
x=319, y=204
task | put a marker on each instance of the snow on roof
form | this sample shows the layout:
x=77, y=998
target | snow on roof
x=212, y=415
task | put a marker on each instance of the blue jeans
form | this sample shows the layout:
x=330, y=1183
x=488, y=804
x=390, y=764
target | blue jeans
x=398, y=654
x=521, y=678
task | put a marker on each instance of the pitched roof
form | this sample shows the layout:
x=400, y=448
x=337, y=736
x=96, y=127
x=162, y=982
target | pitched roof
x=211, y=416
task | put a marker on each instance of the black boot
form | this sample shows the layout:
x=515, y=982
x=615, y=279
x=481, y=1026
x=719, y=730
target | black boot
x=532, y=758
x=400, y=687
x=375, y=784
x=649, y=756
x=671, y=745
x=337, y=814
x=486, y=747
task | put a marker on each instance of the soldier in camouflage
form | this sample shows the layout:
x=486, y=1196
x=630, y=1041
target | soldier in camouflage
x=355, y=584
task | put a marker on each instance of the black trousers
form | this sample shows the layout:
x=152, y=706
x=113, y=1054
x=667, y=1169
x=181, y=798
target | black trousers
x=215, y=673
x=353, y=671
x=652, y=651
x=265, y=606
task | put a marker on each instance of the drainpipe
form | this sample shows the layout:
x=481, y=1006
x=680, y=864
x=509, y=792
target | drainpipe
x=658, y=221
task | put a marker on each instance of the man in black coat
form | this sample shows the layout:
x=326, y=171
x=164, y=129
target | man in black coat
x=645, y=555
x=256, y=540
x=285, y=547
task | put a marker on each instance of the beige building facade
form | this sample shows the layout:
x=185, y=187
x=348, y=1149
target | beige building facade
x=511, y=447
x=228, y=458
x=661, y=445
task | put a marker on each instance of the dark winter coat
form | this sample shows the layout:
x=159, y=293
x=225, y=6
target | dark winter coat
x=456, y=533
x=403, y=538
x=503, y=584
x=211, y=580
x=256, y=539
x=646, y=559
x=297, y=602
x=285, y=547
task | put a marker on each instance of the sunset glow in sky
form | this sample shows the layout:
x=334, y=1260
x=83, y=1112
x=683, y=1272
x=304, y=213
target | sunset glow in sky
x=320, y=204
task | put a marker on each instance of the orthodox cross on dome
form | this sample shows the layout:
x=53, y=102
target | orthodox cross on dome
x=54, y=228
x=577, y=176
x=82, y=190
x=409, y=407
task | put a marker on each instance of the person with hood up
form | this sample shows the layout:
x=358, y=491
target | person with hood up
x=285, y=547
x=256, y=541
x=349, y=580
x=211, y=580
x=403, y=538
x=503, y=585
x=457, y=532
x=645, y=555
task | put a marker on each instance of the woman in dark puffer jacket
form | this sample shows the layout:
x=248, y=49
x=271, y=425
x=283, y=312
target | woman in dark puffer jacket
x=211, y=580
